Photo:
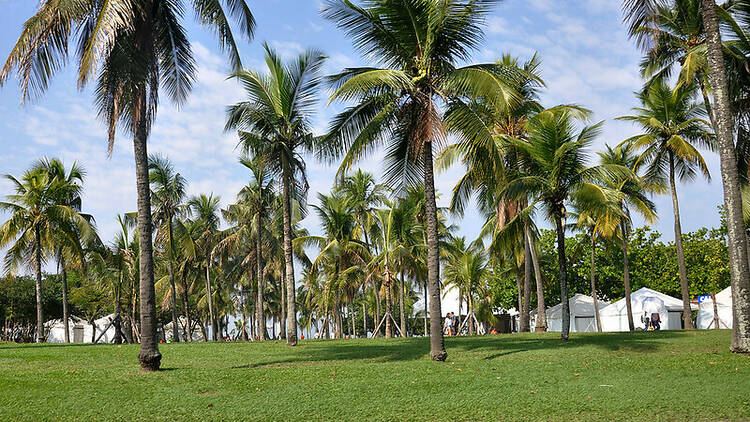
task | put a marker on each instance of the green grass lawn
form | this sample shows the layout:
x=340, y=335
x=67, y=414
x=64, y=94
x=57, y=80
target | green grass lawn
x=639, y=376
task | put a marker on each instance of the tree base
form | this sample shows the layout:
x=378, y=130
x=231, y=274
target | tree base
x=440, y=356
x=540, y=329
x=150, y=362
x=291, y=342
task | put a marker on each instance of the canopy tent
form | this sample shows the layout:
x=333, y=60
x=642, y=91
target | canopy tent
x=582, y=318
x=706, y=315
x=615, y=316
x=80, y=331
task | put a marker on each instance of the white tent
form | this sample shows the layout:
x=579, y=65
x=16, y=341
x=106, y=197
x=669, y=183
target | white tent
x=582, y=317
x=80, y=330
x=615, y=316
x=705, y=318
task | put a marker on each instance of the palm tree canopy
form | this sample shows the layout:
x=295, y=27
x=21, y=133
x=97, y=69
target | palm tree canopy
x=418, y=44
x=674, y=128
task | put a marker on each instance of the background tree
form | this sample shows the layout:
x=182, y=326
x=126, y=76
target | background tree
x=673, y=129
x=275, y=127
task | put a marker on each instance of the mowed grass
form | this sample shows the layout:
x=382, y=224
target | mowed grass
x=612, y=376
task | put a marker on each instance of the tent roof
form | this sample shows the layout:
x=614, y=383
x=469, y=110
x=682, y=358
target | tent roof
x=580, y=305
x=619, y=307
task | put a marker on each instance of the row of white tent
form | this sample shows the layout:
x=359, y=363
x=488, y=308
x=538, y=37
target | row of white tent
x=643, y=301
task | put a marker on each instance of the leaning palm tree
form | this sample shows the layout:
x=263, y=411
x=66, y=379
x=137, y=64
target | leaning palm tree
x=673, y=129
x=634, y=198
x=419, y=44
x=168, y=191
x=136, y=50
x=554, y=160
x=275, y=127
x=41, y=216
x=637, y=11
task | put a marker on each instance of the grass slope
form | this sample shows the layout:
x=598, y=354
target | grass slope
x=639, y=376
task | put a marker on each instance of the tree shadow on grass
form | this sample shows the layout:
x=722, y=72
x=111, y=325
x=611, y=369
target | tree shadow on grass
x=640, y=342
x=9, y=346
x=326, y=351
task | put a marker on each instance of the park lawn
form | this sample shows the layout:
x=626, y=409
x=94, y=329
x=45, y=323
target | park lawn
x=660, y=376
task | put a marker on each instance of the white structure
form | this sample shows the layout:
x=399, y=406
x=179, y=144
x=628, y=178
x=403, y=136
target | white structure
x=705, y=318
x=80, y=331
x=582, y=318
x=615, y=316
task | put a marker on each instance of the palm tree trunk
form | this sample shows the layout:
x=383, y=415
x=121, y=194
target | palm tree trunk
x=738, y=246
x=64, y=282
x=260, y=319
x=291, y=309
x=38, y=274
x=364, y=319
x=541, y=311
x=426, y=332
x=210, y=299
x=519, y=295
x=593, y=284
x=563, y=269
x=402, y=312
x=437, y=343
x=687, y=314
x=376, y=287
x=626, y=275
x=175, y=331
x=470, y=314
x=387, y=315
x=118, y=295
x=282, y=317
x=149, y=355
x=526, y=308
x=186, y=307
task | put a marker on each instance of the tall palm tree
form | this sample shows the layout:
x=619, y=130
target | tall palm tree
x=490, y=160
x=250, y=214
x=364, y=195
x=634, y=198
x=69, y=250
x=275, y=126
x=673, y=129
x=204, y=210
x=168, y=191
x=133, y=49
x=554, y=160
x=41, y=215
x=636, y=11
x=419, y=44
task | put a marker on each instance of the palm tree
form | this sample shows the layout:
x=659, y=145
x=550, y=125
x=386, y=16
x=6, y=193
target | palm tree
x=41, y=215
x=133, y=49
x=168, y=191
x=250, y=214
x=636, y=11
x=204, y=209
x=69, y=250
x=466, y=270
x=419, y=45
x=599, y=213
x=364, y=195
x=274, y=125
x=634, y=193
x=491, y=162
x=554, y=160
x=673, y=127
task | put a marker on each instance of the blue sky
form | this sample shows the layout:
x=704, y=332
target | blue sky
x=586, y=59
